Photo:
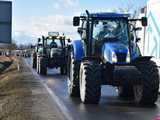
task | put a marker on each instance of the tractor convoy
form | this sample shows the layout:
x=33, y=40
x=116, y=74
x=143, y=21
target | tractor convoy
x=107, y=54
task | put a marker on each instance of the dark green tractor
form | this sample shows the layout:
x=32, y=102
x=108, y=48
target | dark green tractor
x=52, y=54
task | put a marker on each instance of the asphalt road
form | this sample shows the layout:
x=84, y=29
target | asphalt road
x=110, y=107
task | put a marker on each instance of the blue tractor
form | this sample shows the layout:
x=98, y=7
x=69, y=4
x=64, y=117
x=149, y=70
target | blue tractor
x=108, y=54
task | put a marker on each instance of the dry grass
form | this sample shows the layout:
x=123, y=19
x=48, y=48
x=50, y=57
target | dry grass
x=5, y=59
x=19, y=99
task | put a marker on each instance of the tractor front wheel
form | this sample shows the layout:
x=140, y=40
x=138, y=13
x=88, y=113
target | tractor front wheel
x=42, y=66
x=73, y=80
x=37, y=68
x=147, y=92
x=34, y=60
x=90, y=85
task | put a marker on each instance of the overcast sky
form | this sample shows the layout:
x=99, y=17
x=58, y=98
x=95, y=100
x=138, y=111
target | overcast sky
x=33, y=18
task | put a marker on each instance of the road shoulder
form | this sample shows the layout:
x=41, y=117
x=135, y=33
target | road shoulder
x=23, y=97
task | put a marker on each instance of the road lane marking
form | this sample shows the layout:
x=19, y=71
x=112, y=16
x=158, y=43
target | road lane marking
x=62, y=107
x=55, y=98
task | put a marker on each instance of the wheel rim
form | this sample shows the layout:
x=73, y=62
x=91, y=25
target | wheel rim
x=82, y=83
x=138, y=92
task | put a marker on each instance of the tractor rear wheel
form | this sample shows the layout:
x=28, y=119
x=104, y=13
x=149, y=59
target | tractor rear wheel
x=73, y=74
x=90, y=85
x=42, y=66
x=34, y=60
x=147, y=92
x=37, y=65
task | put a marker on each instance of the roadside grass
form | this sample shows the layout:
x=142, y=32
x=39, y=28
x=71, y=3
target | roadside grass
x=5, y=62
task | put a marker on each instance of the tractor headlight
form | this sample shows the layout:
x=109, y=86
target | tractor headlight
x=128, y=58
x=114, y=57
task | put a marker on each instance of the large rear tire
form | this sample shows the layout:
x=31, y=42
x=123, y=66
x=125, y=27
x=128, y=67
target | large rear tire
x=42, y=66
x=37, y=68
x=90, y=82
x=73, y=74
x=147, y=92
x=34, y=61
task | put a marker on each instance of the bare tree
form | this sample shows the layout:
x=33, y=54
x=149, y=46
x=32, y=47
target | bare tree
x=132, y=6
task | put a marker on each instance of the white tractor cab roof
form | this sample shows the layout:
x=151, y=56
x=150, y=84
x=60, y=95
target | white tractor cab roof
x=55, y=34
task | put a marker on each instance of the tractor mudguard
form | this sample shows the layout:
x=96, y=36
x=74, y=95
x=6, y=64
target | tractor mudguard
x=78, y=51
x=141, y=58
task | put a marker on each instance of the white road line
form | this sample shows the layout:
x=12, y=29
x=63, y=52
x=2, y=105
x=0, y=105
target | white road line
x=62, y=107
x=59, y=103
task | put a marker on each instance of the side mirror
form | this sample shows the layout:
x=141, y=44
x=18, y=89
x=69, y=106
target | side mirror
x=76, y=21
x=144, y=21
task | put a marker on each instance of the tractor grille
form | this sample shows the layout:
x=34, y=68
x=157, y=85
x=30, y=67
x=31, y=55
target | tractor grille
x=121, y=57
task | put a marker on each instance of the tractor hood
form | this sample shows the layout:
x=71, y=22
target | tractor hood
x=115, y=53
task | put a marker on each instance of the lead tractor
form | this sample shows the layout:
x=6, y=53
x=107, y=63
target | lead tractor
x=108, y=54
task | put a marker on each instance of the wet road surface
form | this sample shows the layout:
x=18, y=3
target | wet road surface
x=110, y=107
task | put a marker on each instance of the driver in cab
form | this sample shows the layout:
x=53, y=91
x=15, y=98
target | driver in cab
x=53, y=44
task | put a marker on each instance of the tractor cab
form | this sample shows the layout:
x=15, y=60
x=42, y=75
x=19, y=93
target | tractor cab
x=57, y=45
x=108, y=36
x=53, y=44
x=55, y=41
x=112, y=32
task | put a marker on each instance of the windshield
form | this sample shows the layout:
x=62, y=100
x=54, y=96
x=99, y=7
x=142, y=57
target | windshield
x=112, y=30
x=54, y=43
